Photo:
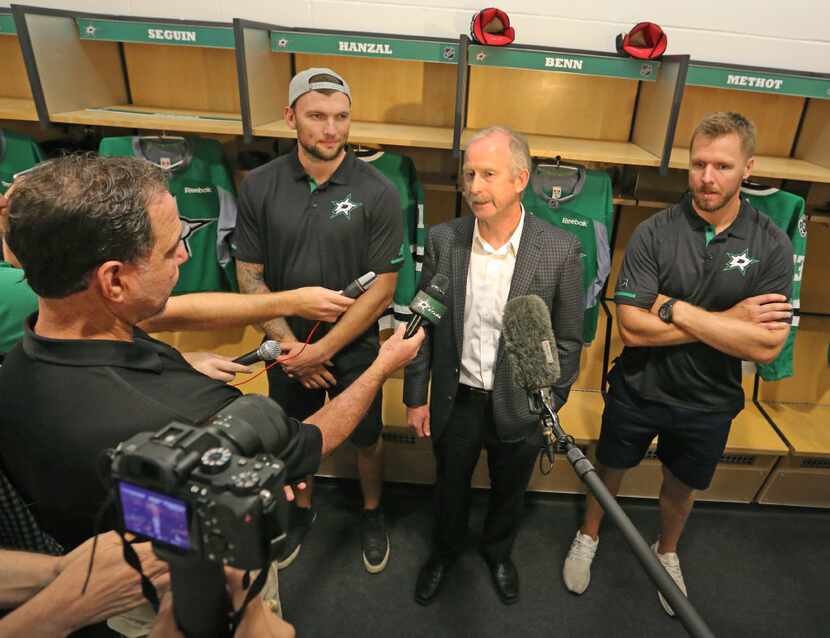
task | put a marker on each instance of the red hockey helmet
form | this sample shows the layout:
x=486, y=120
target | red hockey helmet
x=645, y=41
x=492, y=26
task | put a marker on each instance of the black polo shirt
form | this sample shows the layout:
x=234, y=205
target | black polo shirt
x=677, y=253
x=62, y=402
x=308, y=234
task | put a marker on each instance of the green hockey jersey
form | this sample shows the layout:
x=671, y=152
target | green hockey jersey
x=18, y=153
x=580, y=202
x=786, y=210
x=400, y=170
x=205, y=196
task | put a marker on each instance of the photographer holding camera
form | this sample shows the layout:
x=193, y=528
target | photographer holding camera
x=99, y=240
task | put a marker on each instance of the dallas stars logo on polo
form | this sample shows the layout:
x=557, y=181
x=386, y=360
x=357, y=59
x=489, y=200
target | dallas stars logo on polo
x=740, y=261
x=190, y=227
x=344, y=207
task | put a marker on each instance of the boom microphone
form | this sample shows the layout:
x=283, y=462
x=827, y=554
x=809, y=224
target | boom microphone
x=267, y=351
x=359, y=285
x=530, y=344
x=428, y=305
x=531, y=349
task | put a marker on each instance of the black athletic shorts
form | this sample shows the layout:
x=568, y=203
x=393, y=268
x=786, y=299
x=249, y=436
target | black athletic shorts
x=690, y=442
x=300, y=402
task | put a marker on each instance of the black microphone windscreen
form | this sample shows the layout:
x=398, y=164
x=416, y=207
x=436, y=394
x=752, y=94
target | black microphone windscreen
x=438, y=287
x=530, y=344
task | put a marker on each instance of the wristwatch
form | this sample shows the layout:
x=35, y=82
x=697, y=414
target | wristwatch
x=664, y=312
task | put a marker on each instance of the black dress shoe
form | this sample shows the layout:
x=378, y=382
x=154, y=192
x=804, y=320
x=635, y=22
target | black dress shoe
x=429, y=579
x=505, y=579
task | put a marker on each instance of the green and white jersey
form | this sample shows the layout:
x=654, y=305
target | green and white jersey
x=400, y=170
x=786, y=210
x=18, y=153
x=205, y=196
x=580, y=202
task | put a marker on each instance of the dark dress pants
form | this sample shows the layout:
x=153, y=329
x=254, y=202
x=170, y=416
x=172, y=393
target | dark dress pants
x=511, y=464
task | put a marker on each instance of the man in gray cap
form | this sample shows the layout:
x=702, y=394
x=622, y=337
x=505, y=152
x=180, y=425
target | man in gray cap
x=318, y=214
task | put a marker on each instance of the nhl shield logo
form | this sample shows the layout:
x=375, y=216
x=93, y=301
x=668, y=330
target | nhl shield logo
x=802, y=225
x=556, y=192
x=448, y=53
x=645, y=70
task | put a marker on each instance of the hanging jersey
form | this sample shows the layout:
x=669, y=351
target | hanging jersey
x=580, y=202
x=18, y=153
x=205, y=196
x=786, y=210
x=400, y=170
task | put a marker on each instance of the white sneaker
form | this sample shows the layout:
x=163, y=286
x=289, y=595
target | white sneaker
x=671, y=562
x=576, y=572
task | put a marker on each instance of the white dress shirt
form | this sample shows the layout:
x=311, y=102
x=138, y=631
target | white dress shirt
x=488, y=285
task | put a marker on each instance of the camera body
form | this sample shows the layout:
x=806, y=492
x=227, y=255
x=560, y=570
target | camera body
x=209, y=492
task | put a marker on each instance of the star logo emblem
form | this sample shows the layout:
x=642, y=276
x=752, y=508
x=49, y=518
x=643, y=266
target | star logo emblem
x=90, y=30
x=481, y=56
x=449, y=53
x=802, y=225
x=344, y=208
x=282, y=43
x=740, y=261
x=190, y=227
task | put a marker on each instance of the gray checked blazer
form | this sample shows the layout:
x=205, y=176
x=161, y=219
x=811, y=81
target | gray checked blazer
x=547, y=264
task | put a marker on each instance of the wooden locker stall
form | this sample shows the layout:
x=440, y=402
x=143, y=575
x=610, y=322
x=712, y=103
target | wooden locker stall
x=403, y=89
x=579, y=105
x=141, y=73
x=16, y=101
x=789, y=109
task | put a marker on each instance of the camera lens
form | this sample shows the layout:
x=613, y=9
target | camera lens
x=252, y=424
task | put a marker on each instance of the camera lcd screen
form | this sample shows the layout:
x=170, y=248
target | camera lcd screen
x=154, y=515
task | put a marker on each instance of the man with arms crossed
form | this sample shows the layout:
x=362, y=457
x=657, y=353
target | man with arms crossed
x=704, y=284
x=319, y=216
x=498, y=253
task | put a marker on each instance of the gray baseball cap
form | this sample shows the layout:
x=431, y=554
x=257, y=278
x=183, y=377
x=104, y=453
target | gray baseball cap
x=302, y=84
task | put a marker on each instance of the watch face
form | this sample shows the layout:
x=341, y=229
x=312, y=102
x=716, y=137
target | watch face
x=665, y=312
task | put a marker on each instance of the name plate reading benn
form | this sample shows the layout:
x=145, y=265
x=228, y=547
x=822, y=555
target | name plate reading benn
x=541, y=60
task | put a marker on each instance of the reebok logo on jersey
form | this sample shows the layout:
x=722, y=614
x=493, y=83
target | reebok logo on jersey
x=575, y=222
x=197, y=190
x=344, y=208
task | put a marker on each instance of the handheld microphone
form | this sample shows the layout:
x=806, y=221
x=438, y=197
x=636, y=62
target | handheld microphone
x=267, y=351
x=531, y=348
x=428, y=305
x=359, y=285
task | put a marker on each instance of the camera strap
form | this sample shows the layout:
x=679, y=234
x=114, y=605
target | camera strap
x=255, y=588
x=130, y=557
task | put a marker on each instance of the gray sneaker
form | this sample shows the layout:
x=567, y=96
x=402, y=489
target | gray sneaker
x=576, y=572
x=375, y=540
x=672, y=564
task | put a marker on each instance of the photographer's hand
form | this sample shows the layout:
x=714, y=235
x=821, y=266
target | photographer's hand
x=114, y=587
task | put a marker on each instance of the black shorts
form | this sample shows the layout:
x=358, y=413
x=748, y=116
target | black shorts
x=300, y=402
x=690, y=442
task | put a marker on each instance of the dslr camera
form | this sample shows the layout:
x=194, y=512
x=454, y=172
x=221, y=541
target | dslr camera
x=209, y=493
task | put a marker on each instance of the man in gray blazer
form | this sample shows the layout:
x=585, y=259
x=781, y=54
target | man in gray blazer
x=495, y=255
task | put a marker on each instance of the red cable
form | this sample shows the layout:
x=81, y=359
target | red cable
x=273, y=363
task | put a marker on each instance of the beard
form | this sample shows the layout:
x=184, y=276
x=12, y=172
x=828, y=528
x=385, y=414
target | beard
x=717, y=204
x=319, y=153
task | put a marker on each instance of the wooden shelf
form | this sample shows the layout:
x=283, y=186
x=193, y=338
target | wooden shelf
x=583, y=150
x=376, y=133
x=15, y=108
x=766, y=166
x=804, y=425
x=751, y=433
x=144, y=117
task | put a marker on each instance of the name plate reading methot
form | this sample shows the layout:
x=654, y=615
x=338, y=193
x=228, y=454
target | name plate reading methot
x=759, y=81
x=610, y=66
x=156, y=33
x=365, y=46
x=7, y=24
